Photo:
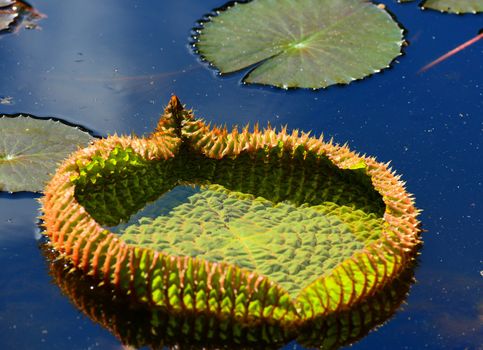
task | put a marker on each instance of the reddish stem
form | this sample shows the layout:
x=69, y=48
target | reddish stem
x=452, y=52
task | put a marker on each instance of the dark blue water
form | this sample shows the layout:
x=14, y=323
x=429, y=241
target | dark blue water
x=111, y=66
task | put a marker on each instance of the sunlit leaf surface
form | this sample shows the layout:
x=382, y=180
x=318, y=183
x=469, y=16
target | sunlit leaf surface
x=292, y=245
x=301, y=43
x=30, y=150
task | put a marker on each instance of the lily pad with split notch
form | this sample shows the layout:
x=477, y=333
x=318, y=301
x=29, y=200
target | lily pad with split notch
x=300, y=43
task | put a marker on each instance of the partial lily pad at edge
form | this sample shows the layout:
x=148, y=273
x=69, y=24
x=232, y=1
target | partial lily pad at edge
x=31, y=149
x=454, y=6
x=301, y=43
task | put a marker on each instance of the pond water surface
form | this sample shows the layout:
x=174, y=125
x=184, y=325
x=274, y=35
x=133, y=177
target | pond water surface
x=111, y=67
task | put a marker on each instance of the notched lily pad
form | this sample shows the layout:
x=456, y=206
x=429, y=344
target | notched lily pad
x=278, y=229
x=31, y=149
x=300, y=43
x=454, y=6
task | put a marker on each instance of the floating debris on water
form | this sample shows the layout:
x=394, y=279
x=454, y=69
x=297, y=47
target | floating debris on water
x=15, y=15
x=6, y=100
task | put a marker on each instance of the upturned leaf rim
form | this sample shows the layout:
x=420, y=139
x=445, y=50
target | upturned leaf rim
x=228, y=291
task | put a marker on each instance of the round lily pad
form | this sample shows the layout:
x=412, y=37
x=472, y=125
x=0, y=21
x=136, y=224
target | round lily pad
x=301, y=43
x=31, y=149
x=454, y=6
x=278, y=227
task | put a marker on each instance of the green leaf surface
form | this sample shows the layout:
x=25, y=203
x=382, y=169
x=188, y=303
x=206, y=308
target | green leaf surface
x=454, y=6
x=292, y=245
x=31, y=149
x=301, y=43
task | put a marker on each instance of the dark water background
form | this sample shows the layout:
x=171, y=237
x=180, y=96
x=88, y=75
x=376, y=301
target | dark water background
x=111, y=66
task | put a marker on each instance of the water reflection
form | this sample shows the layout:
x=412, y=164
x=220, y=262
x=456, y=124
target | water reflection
x=135, y=325
x=101, y=73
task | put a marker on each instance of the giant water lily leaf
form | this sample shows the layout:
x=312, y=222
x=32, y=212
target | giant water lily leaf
x=301, y=43
x=31, y=149
x=455, y=6
x=277, y=227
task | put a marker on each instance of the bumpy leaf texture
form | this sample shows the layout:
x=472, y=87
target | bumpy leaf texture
x=279, y=227
x=289, y=244
x=140, y=327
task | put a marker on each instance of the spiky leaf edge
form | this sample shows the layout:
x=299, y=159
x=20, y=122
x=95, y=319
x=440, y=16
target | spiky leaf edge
x=133, y=324
x=179, y=284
